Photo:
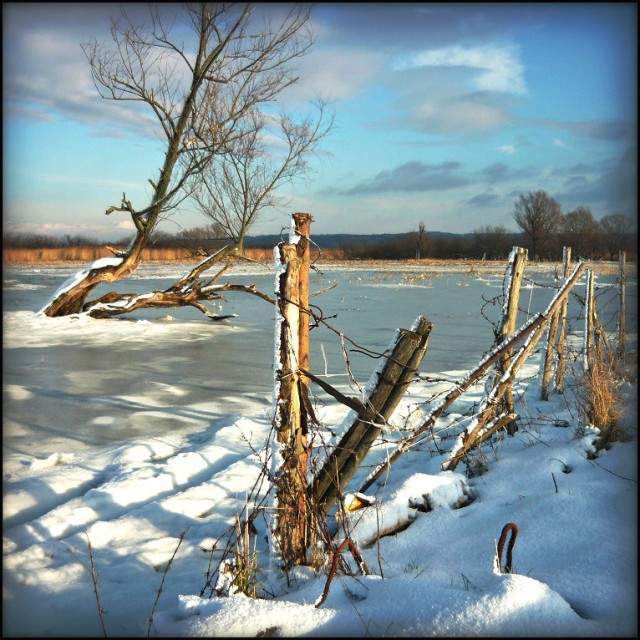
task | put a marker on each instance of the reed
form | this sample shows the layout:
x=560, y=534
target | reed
x=601, y=387
x=53, y=255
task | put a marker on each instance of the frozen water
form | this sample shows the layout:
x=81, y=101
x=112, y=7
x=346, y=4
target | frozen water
x=90, y=382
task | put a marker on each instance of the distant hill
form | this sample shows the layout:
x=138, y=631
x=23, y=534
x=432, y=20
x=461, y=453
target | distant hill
x=338, y=240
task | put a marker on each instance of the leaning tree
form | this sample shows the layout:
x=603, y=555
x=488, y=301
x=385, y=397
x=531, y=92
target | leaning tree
x=204, y=94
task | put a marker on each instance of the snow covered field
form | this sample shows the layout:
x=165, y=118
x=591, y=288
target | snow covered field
x=129, y=434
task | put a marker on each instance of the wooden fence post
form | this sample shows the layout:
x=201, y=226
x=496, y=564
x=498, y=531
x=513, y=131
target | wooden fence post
x=552, y=352
x=292, y=509
x=621, y=322
x=560, y=364
x=588, y=322
x=511, y=295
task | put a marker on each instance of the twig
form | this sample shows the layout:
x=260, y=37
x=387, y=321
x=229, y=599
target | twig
x=164, y=575
x=95, y=587
x=334, y=565
x=554, y=481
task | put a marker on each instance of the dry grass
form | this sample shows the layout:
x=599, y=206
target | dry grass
x=88, y=254
x=150, y=254
x=603, y=399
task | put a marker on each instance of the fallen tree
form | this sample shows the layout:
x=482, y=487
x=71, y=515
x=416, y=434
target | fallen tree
x=204, y=96
x=191, y=290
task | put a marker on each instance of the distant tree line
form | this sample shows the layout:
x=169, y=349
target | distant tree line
x=544, y=230
x=207, y=238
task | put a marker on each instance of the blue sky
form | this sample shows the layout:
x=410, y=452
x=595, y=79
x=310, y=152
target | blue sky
x=444, y=114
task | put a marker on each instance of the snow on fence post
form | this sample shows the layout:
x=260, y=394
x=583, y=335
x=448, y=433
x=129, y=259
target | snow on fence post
x=621, y=322
x=560, y=365
x=291, y=517
x=385, y=389
x=511, y=299
x=552, y=335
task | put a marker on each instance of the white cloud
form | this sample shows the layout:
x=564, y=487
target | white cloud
x=559, y=143
x=499, y=67
x=458, y=114
x=508, y=149
x=336, y=73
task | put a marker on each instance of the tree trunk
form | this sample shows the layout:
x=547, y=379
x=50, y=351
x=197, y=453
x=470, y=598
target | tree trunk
x=72, y=295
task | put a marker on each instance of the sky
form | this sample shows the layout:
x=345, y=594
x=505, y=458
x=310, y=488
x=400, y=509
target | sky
x=151, y=468
x=444, y=114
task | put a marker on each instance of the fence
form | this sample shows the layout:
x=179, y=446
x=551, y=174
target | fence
x=304, y=497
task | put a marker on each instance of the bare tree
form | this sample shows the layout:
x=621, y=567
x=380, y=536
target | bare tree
x=203, y=96
x=240, y=184
x=539, y=216
x=580, y=229
x=617, y=231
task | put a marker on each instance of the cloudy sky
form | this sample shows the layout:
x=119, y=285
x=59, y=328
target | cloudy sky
x=444, y=113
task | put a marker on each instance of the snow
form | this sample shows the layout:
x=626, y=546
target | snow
x=575, y=558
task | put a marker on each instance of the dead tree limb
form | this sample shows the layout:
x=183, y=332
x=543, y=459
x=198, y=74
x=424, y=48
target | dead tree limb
x=188, y=291
x=334, y=566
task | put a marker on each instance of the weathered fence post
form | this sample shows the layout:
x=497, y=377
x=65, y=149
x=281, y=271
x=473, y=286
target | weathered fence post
x=588, y=321
x=560, y=364
x=292, y=509
x=552, y=351
x=388, y=383
x=621, y=322
x=511, y=296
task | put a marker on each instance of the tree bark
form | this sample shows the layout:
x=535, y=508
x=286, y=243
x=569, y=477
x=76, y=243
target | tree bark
x=69, y=300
